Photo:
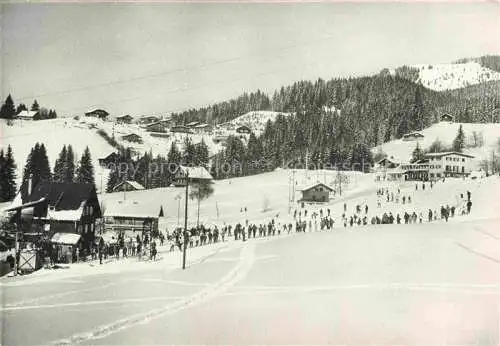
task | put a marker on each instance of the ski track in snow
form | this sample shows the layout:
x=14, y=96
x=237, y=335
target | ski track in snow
x=235, y=275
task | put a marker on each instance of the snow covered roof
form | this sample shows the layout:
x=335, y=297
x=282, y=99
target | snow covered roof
x=132, y=183
x=310, y=186
x=26, y=114
x=18, y=204
x=202, y=126
x=413, y=134
x=66, y=215
x=197, y=172
x=136, y=204
x=448, y=153
x=192, y=123
x=65, y=238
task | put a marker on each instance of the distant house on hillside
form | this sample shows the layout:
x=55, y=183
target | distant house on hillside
x=159, y=126
x=128, y=185
x=447, y=117
x=97, y=113
x=193, y=124
x=124, y=119
x=132, y=137
x=26, y=115
x=203, y=128
x=196, y=175
x=110, y=159
x=244, y=129
x=148, y=119
x=180, y=129
x=387, y=163
x=318, y=192
x=412, y=136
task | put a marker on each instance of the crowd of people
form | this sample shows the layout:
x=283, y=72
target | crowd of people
x=301, y=220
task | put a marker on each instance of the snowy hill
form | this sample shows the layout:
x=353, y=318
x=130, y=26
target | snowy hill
x=454, y=76
x=446, y=133
x=54, y=134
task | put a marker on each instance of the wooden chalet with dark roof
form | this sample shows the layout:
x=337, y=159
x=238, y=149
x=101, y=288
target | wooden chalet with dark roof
x=58, y=208
x=97, y=113
x=108, y=160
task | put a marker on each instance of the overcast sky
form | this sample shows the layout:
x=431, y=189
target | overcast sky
x=159, y=58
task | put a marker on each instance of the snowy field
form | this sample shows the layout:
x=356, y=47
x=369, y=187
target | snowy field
x=446, y=133
x=421, y=284
x=441, y=77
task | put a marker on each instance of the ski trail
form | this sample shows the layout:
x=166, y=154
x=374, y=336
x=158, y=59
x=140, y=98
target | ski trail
x=238, y=273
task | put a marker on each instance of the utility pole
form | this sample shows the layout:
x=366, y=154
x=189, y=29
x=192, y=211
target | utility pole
x=18, y=223
x=185, y=224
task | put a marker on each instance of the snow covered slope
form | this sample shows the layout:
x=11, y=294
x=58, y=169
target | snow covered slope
x=54, y=134
x=446, y=133
x=454, y=76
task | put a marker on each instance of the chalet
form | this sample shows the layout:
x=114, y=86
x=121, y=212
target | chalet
x=128, y=185
x=318, y=192
x=449, y=164
x=193, y=124
x=412, y=136
x=124, y=119
x=203, y=128
x=148, y=119
x=387, y=163
x=196, y=175
x=243, y=130
x=97, y=113
x=435, y=166
x=159, y=126
x=180, y=129
x=57, y=209
x=26, y=115
x=447, y=117
x=138, y=214
x=132, y=137
x=112, y=158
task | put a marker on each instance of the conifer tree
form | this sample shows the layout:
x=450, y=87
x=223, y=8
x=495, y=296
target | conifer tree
x=21, y=107
x=37, y=167
x=35, y=107
x=85, y=171
x=417, y=154
x=8, y=110
x=60, y=166
x=2, y=174
x=459, y=141
x=8, y=178
x=70, y=165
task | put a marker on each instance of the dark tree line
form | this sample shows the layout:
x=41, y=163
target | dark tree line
x=156, y=171
x=8, y=110
x=225, y=111
x=66, y=169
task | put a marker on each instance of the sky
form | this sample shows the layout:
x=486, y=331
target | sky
x=159, y=58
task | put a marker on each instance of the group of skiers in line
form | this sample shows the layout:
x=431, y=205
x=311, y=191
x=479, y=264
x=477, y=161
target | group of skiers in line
x=142, y=247
x=408, y=217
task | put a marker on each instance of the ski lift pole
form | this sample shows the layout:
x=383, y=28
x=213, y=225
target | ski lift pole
x=185, y=224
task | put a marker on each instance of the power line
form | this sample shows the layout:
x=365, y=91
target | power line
x=172, y=71
x=180, y=89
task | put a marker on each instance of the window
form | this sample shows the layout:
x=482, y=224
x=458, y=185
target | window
x=463, y=160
